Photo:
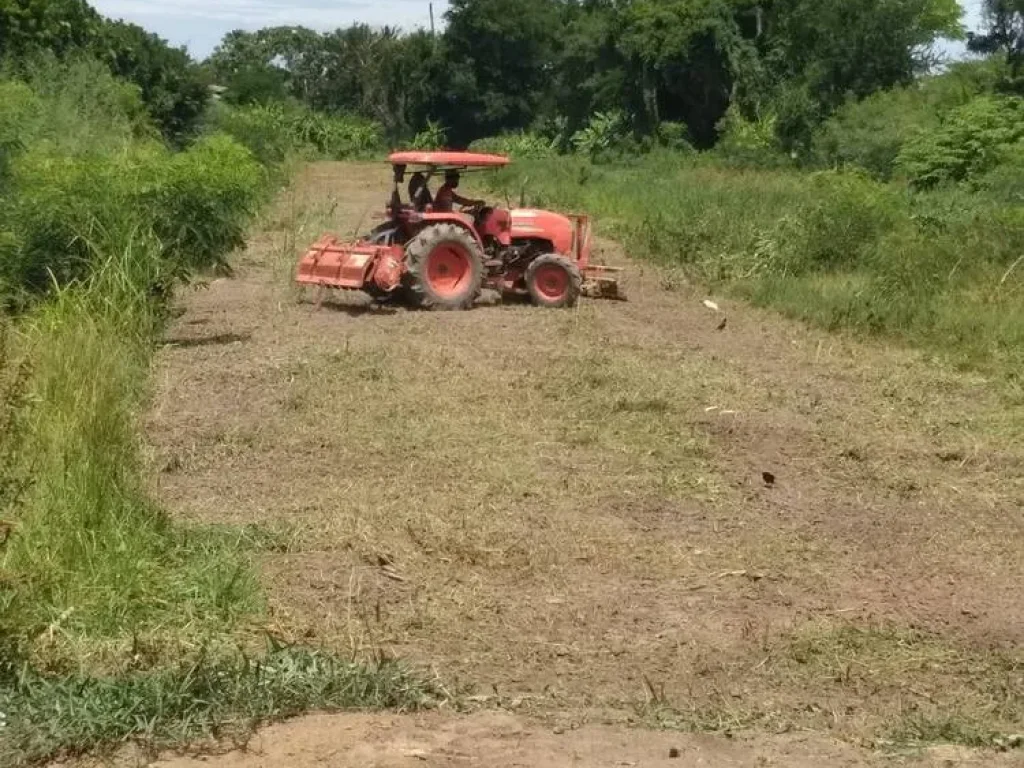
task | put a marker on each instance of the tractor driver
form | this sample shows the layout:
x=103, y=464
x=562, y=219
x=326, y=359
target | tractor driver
x=447, y=196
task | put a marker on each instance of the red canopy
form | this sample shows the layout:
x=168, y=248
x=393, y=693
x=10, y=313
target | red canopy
x=454, y=159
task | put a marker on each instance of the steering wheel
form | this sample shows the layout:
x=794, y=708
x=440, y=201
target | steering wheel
x=472, y=209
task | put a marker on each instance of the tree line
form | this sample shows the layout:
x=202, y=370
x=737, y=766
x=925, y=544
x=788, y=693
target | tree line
x=545, y=66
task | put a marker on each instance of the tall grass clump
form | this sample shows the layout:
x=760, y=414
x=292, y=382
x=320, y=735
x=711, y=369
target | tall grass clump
x=93, y=560
x=95, y=230
x=116, y=622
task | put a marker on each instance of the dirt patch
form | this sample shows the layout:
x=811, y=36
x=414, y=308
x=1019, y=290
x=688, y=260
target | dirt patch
x=569, y=509
x=505, y=741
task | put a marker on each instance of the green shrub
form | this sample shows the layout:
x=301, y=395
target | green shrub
x=604, y=133
x=870, y=134
x=750, y=142
x=65, y=209
x=675, y=136
x=199, y=201
x=433, y=136
x=272, y=132
x=516, y=145
x=972, y=140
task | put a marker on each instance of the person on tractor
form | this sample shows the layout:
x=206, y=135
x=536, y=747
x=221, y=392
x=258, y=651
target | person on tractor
x=447, y=196
x=419, y=192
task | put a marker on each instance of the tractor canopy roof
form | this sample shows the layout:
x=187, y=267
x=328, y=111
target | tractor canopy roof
x=444, y=160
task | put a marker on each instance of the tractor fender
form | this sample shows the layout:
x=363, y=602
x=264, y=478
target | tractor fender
x=497, y=223
x=459, y=219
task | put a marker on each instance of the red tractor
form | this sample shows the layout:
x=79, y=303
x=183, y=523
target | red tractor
x=438, y=258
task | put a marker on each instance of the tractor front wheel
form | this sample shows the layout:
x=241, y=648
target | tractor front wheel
x=553, y=281
x=444, y=268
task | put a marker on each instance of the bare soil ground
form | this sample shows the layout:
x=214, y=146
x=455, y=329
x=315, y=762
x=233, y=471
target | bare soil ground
x=564, y=515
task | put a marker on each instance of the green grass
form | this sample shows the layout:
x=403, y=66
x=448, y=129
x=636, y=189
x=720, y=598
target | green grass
x=219, y=697
x=102, y=595
x=938, y=270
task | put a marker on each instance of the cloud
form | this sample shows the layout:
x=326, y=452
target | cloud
x=255, y=13
x=200, y=24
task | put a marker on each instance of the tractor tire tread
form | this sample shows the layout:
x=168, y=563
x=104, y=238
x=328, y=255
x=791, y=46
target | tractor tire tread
x=417, y=251
x=575, y=280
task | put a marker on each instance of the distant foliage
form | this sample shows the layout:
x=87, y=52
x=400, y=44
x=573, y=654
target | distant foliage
x=171, y=85
x=871, y=133
x=274, y=131
x=433, y=136
x=518, y=145
x=971, y=140
x=605, y=132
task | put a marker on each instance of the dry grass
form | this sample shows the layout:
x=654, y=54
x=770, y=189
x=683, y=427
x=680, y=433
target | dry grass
x=564, y=511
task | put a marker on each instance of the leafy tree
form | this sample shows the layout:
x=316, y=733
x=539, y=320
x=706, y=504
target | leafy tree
x=57, y=26
x=974, y=139
x=501, y=55
x=172, y=86
x=1004, y=20
x=820, y=53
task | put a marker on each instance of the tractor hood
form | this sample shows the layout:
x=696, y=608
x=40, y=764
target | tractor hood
x=531, y=224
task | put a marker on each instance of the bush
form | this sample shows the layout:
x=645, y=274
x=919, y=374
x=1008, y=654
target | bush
x=199, y=201
x=675, y=136
x=972, y=140
x=517, y=145
x=605, y=133
x=66, y=209
x=275, y=131
x=746, y=142
x=872, y=132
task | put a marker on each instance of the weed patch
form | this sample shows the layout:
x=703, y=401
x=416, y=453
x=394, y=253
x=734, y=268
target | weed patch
x=935, y=269
x=208, y=697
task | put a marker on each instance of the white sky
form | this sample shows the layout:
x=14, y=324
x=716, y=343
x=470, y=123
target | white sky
x=200, y=24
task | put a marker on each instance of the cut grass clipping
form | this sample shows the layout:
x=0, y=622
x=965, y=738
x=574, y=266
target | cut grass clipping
x=906, y=688
x=217, y=698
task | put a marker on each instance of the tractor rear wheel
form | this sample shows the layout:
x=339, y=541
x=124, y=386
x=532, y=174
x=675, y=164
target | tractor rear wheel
x=444, y=268
x=553, y=281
